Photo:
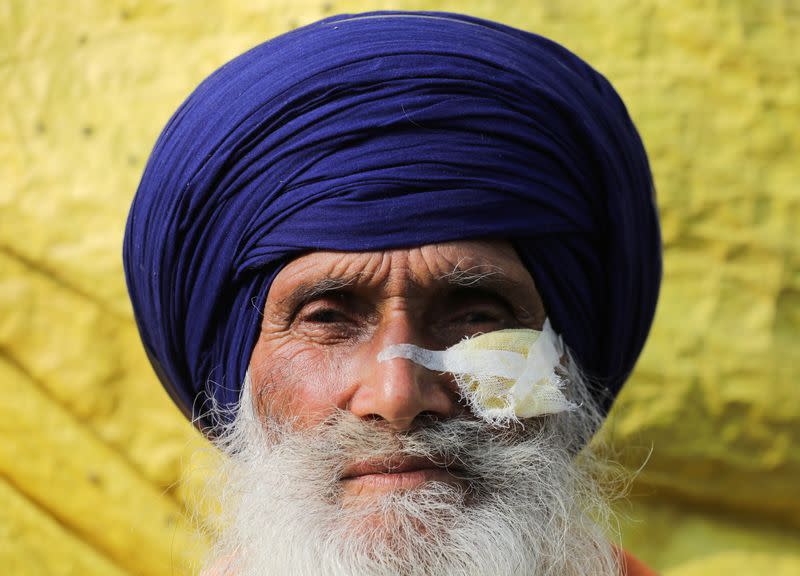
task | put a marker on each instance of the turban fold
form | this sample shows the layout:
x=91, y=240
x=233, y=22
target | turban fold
x=389, y=130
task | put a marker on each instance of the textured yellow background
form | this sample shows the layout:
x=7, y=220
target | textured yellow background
x=91, y=449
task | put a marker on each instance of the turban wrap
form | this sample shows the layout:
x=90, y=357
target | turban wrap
x=389, y=130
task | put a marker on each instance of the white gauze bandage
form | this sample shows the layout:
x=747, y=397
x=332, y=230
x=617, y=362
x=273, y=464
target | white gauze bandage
x=504, y=375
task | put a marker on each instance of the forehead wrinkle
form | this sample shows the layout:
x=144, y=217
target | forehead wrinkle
x=466, y=272
x=390, y=271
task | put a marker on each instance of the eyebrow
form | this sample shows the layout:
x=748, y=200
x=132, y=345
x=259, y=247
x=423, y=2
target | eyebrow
x=474, y=275
x=483, y=277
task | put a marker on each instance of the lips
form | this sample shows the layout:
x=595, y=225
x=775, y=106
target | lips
x=392, y=466
x=396, y=474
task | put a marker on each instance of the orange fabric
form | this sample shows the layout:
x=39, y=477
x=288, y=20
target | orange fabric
x=632, y=566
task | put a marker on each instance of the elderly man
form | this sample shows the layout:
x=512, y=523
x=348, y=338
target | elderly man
x=397, y=266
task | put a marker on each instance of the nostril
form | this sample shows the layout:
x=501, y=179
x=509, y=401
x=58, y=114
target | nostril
x=373, y=417
x=427, y=417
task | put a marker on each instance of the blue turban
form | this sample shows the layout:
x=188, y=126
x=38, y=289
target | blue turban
x=389, y=130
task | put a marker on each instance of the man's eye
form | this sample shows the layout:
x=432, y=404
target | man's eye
x=479, y=317
x=472, y=320
x=325, y=316
x=329, y=321
x=474, y=310
x=336, y=308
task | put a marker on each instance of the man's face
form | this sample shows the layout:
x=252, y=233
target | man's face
x=329, y=314
x=339, y=464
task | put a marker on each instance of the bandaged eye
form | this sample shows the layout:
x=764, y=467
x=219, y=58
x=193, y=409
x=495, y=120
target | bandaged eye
x=503, y=375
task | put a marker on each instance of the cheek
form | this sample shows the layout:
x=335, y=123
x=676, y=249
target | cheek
x=300, y=382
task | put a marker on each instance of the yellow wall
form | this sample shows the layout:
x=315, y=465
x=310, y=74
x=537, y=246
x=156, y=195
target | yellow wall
x=91, y=449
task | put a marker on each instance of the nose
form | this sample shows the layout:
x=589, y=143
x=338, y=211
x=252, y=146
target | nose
x=398, y=391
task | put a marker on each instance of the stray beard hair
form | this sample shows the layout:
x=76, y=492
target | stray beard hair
x=532, y=504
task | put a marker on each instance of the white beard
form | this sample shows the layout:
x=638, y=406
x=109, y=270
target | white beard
x=523, y=513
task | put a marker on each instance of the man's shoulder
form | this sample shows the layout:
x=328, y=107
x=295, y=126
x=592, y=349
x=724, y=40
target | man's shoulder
x=630, y=565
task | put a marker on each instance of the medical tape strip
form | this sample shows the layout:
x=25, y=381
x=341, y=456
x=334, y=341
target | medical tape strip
x=530, y=387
